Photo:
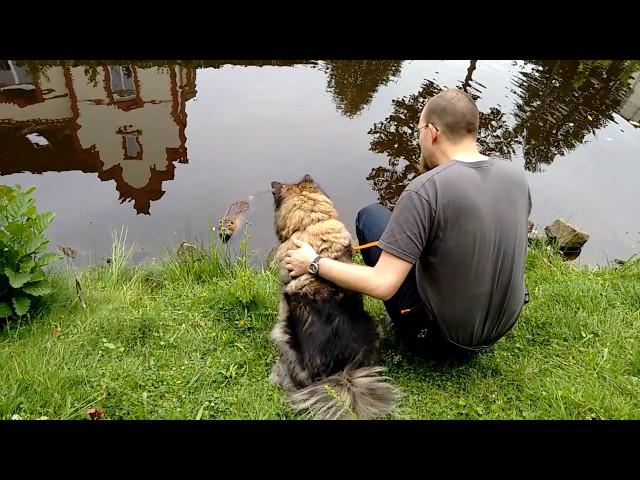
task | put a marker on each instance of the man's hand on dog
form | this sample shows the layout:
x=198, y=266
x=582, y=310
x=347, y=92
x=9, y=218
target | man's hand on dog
x=297, y=261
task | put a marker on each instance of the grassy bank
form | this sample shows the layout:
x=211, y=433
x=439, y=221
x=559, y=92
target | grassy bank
x=189, y=340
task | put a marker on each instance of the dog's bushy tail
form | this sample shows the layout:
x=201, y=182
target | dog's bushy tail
x=362, y=393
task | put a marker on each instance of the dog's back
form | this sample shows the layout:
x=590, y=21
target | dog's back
x=330, y=329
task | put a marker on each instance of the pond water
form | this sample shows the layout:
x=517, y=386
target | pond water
x=164, y=148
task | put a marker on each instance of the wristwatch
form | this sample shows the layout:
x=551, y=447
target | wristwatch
x=313, y=266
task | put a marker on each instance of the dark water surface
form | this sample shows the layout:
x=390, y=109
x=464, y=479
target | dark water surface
x=165, y=148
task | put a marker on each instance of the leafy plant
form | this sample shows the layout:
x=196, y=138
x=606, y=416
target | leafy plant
x=22, y=242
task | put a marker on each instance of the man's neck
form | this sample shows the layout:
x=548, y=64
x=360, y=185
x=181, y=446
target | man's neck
x=472, y=158
x=465, y=152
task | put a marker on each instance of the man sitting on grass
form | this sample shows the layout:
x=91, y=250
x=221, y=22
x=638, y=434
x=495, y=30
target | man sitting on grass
x=449, y=260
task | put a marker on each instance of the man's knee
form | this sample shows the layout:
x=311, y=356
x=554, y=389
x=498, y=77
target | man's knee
x=372, y=220
x=364, y=214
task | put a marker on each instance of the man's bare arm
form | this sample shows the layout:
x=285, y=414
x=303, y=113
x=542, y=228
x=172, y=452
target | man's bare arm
x=381, y=281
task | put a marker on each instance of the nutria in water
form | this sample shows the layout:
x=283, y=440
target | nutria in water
x=232, y=219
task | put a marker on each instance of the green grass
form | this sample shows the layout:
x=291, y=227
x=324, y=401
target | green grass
x=189, y=340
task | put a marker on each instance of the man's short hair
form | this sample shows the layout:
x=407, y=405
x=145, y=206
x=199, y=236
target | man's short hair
x=455, y=113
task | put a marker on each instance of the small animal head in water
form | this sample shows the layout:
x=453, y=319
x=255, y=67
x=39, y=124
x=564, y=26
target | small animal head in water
x=234, y=217
x=226, y=227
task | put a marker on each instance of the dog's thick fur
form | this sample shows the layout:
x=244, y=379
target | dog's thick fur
x=328, y=343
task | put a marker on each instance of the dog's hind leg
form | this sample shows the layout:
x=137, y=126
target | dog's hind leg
x=280, y=375
x=288, y=366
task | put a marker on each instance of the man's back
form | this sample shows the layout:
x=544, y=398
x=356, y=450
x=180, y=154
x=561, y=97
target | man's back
x=465, y=225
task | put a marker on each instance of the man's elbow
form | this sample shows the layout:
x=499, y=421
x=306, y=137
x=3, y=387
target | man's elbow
x=386, y=296
x=385, y=291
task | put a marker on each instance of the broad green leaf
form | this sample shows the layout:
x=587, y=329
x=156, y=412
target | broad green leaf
x=35, y=245
x=18, y=207
x=5, y=310
x=47, y=258
x=21, y=305
x=17, y=280
x=27, y=265
x=31, y=211
x=18, y=230
x=37, y=276
x=37, y=289
x=42, y=221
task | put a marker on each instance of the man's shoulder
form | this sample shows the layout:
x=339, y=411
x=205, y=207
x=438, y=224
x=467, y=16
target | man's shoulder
x=422, y=181
x=453, y=169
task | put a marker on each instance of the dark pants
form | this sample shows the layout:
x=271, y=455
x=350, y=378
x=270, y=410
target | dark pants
x=413, y=323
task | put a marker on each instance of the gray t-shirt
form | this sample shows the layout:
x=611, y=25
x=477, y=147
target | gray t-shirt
x=465, y=226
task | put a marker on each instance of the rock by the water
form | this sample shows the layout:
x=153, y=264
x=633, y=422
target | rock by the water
x=567, y=236
x=186, y=251
x=570, y=254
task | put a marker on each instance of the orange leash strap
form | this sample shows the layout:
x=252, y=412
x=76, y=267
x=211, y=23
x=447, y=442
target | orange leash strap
x=366, y=245
x=373, y=244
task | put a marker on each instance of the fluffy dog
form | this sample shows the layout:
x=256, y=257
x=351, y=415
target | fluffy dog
x=328, y=342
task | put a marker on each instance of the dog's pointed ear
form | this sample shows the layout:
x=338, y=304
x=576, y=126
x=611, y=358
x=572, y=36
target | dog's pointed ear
x=307, y=178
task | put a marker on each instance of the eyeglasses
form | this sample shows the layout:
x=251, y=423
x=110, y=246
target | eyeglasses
x=425, y=125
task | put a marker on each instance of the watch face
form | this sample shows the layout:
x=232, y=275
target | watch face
x=313, y=268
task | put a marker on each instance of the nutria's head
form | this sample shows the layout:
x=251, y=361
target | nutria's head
x=226, y=227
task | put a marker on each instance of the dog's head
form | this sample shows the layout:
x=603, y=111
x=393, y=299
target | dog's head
x=282, y=191
x=298, y=205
